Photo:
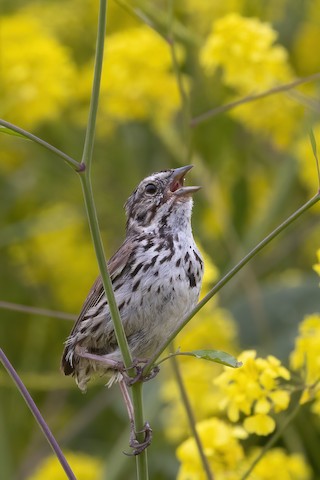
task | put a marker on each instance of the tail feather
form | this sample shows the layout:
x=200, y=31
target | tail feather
x=66, y=362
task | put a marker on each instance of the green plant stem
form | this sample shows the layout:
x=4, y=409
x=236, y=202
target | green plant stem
x=37, y=415
x=70, y=161
x=99, y=251
x=142, y=459
x=186, y=117
x=226, y=278
x=85, y=177
x=94, y=101
x=190, y=415
x=273, y=439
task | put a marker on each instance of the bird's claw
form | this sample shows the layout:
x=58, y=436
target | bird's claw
x=139, y=377
x=137, y=446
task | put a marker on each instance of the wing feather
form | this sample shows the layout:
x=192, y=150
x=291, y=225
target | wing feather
x=116, y=265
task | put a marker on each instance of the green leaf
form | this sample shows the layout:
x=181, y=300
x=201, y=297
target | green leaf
x=8, y=131
x=215, y=356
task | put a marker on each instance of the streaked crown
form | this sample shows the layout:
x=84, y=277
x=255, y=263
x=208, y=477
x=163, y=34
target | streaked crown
x=159, y=195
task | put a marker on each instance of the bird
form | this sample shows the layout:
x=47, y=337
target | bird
x=156, y=276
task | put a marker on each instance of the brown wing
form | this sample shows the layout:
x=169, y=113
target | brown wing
x=115, y=265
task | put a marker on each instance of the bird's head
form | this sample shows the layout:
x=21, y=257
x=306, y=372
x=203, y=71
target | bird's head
x=157, y=197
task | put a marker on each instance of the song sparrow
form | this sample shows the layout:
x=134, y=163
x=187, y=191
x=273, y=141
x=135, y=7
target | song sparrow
x=156, y=276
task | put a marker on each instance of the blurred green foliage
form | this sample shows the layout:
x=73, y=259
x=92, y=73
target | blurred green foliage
x=255, y=163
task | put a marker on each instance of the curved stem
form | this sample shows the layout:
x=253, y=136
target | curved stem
x=226, y=278
x=24, y=133
x=37, y=415
x=203, y=117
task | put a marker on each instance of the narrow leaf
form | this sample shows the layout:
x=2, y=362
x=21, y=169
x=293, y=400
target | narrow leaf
x=215, y=356
x=8, y=131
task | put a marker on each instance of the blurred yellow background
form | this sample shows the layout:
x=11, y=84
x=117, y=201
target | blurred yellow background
x=255, y=163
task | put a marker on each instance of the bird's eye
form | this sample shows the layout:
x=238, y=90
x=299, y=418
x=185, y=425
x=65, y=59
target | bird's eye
x=151, y=189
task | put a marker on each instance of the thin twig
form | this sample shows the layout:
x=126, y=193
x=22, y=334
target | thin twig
x=44, y=312
x=37, y=415
x=191, y=418
x=70, y=161
x=252, y=98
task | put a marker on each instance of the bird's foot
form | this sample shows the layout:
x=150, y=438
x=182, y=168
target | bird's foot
x=139, y=377
x=136, y=445
x=137, y=364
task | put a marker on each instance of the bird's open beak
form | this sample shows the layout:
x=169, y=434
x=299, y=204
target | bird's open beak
x=177, y=183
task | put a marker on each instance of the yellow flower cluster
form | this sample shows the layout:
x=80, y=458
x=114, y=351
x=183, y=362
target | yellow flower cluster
x=137, y=82
x=37, y=74
x=227, y=460
x=221, y=447
x=254, y=391
x=277, y=464
x=244, y=48
x=83, y=466
x=306, y=358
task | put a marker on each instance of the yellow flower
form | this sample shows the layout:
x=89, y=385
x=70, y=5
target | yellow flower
x=277, y=464
x=244, y=48
x=306, y=354
x=83, y=466
x=260, y=424
x=216, y=436
x=254, y=391
x=37, y=74
x=137, y=83
x=280, y=400
x=306, y=358
x=221, y=447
